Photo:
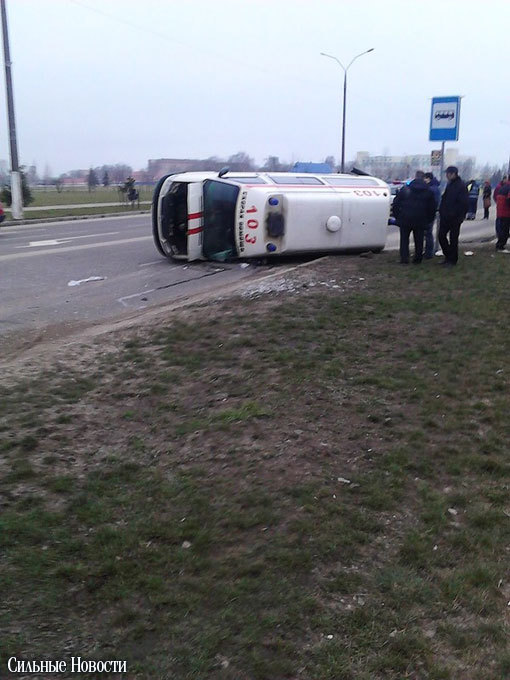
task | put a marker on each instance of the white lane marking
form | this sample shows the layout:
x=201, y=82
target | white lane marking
x=91, y=278
x=70, y=249
x=128, y=297
x=65, y=239
x=18, y=235
x=49, y=242
x=146, y=264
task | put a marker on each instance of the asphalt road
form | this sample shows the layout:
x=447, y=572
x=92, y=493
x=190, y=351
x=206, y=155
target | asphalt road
x=472, y=231
x=44, y=270
x=69, y=274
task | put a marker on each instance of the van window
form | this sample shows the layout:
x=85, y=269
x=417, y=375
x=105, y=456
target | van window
x=351, y=181
x=295, y=180
x=219, y=220
x=247, y=180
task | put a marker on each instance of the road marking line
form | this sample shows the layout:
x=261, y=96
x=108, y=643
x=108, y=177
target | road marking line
x=65, y=239
x=64, y=223
x=128, y=297
x=146, y=264
x=70, y=249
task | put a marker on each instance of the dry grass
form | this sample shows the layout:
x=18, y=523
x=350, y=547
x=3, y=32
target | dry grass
x=311, y=483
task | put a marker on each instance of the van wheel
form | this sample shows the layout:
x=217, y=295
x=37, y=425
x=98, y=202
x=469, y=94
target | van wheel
x=155, y=216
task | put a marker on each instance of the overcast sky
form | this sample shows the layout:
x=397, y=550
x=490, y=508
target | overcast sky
x=108, y=81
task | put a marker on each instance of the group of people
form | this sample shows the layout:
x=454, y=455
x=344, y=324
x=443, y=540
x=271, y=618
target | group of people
x=416, y=204
x=415, y=207
x=473, y=188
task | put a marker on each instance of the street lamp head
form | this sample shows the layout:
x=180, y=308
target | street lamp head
x=370, y=50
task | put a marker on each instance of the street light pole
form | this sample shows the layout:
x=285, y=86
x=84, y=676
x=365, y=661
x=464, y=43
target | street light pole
x=16, y=196
x=345, y=95
x=342, y=166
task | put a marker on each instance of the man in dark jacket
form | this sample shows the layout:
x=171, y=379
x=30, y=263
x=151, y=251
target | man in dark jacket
x=414, y=207
x=452, y=212
x=496, y=192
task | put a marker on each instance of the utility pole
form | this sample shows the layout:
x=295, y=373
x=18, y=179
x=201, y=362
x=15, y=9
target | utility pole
x=17, y=202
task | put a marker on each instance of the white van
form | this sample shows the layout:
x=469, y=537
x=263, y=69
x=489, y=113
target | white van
x=205, y=215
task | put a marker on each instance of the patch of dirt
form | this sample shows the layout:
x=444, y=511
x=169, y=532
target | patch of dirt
x=24, y=352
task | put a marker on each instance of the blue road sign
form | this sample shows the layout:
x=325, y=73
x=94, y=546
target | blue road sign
x=444, y=119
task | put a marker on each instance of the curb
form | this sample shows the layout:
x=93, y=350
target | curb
x=36, y=220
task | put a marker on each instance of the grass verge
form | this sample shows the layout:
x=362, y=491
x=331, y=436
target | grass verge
x=303, y=485
x=34, y=215
x=71, y=196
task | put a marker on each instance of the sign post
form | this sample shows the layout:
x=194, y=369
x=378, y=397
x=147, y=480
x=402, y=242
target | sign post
x=444, y=123
x=435, y=157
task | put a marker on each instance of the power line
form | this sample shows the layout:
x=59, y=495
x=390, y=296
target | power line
x=162, y=36
x=207, y=52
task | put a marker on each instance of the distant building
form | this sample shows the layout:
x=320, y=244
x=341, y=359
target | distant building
x=403, y=167
x=74, y=181
x=141, y=176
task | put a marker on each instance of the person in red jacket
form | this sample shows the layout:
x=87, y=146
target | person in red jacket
x=495, y=196
x=499, y=185
x=503, y=214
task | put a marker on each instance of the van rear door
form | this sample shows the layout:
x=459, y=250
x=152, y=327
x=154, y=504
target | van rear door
x=195, y=220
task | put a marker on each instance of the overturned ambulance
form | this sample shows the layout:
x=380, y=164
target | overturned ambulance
x=206, y=215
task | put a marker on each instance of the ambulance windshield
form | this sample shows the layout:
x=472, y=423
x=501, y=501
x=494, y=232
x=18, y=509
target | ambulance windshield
x=219, y=220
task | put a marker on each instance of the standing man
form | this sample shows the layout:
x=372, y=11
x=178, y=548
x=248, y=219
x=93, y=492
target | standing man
x=487, y=192
x=496, y=192
x=414, y=207
x=452, y=212
x=473, y=190
x=430, y=242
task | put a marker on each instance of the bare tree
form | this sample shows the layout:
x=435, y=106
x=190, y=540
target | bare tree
x=92, y=180
x=240, y=161
x=272, y=164
x=330, y=160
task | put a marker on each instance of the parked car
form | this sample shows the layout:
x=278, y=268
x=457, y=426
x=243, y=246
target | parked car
x=394, y=189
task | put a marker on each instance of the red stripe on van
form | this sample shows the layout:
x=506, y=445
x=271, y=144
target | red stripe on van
x=195, y=231
x=195, y=216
